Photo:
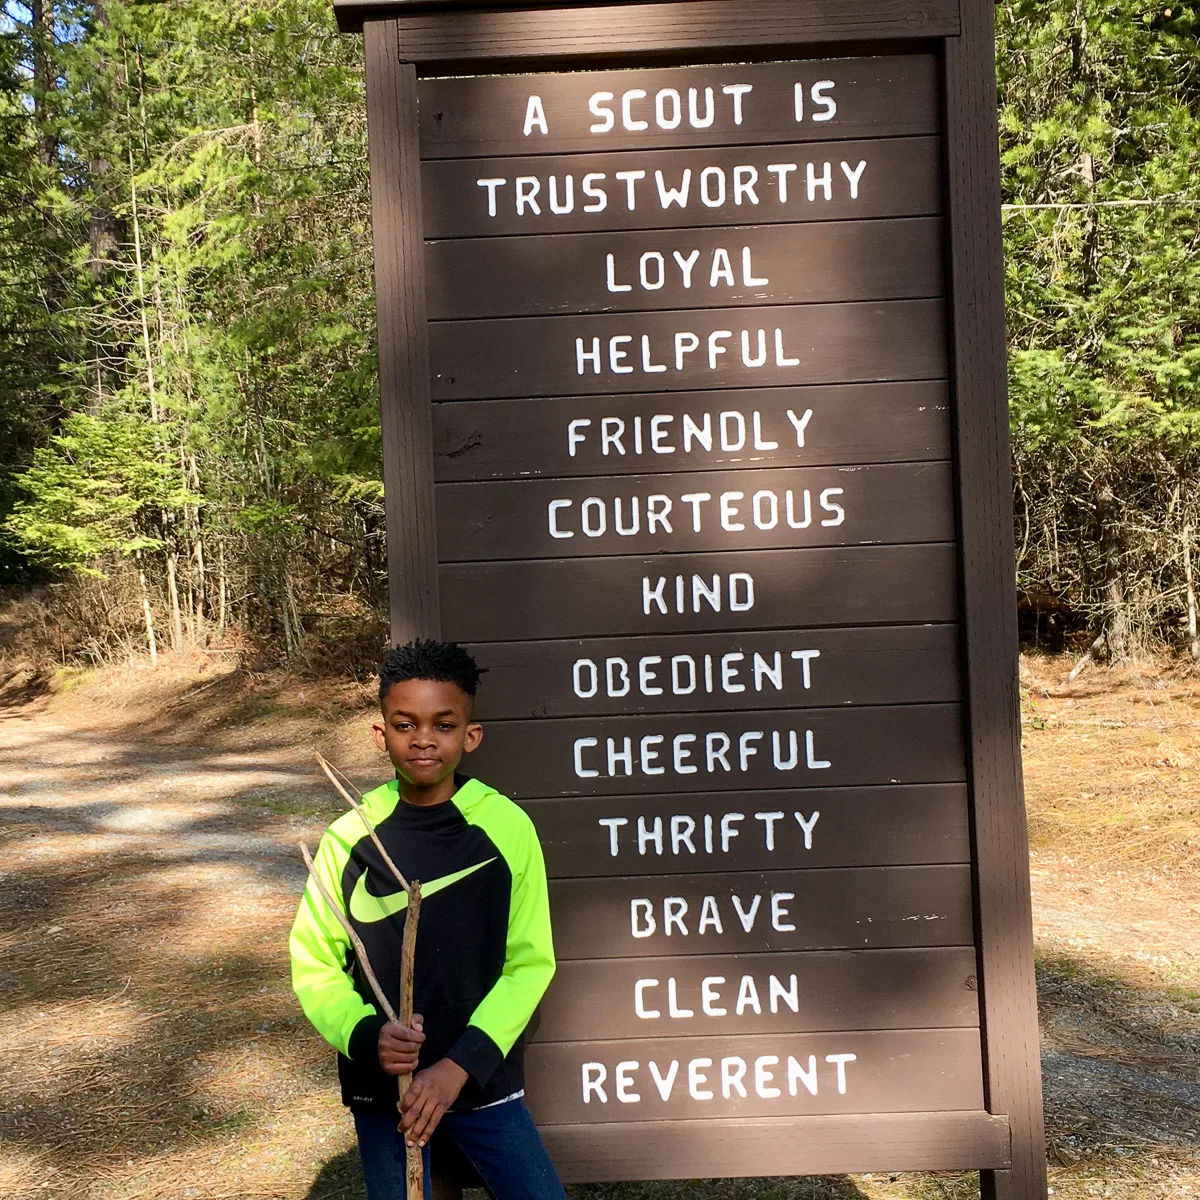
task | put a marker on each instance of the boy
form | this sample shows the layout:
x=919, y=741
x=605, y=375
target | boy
x=484, y=954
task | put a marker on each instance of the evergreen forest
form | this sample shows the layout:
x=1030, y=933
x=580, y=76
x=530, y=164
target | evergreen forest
x=189, y=437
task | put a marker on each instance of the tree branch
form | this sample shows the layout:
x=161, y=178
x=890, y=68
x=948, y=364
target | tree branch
x=355, y=940
x=329, y=769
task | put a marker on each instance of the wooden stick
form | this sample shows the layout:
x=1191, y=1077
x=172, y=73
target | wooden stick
x=412, y=1154
x=354, y=804
x=355, y=940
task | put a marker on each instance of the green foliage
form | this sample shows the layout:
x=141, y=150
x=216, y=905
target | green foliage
x=1100, y=107
x=206, y=229
x=100, y=487
x=186, y=321
x=1100, y=147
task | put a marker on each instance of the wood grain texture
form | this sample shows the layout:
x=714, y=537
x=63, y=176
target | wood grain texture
x=891, y=504
x=610, y=435
x=799, y=344
x=835, y=989
x=886, y=96
x=561, y=274
x=594, y=597
x=793, y=1146
x=455, y=37
x=1012, y=1067
x=815, y=668
x=857, y=908
x=892, y=1071
x=403, y=337
x=918, y=743
x=899, y=179
x=899, y=825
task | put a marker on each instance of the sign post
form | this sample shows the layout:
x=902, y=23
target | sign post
x=692, y=367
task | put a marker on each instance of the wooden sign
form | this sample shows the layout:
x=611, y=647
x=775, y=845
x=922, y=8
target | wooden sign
x=694, y=432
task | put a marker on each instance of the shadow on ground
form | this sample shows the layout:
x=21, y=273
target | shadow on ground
x=341, y=1179
x=151, y=1038
x=1120, y=1065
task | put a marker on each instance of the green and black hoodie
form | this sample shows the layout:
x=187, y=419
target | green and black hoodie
x=484, y=954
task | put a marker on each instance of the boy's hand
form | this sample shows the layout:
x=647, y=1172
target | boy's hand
x=432, y=1092
x=399, y=1046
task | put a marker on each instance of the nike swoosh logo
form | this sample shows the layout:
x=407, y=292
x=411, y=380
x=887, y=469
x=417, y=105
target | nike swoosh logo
x=367, y=909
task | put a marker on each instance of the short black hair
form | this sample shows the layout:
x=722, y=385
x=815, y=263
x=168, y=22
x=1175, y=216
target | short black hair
x=427, y=658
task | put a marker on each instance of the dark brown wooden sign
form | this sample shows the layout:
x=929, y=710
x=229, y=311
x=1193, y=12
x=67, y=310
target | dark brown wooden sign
x=907, y=743
x=892, y=96
x=694, y=832
x=670, y=189
x=614, y=352
x=765, y=589
x=818, y=668
x=694, y=431
x=618, y=435
x=696, y=268
x=765, y=993
x=684, y=1078
x=729, y=510
x=778, y=910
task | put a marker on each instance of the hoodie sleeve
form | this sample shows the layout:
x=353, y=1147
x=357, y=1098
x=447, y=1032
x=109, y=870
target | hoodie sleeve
x=321, y=956
x=501, y=1016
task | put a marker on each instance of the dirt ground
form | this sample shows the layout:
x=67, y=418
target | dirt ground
x=153, y=1048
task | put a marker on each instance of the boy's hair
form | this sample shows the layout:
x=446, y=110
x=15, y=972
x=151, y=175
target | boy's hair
x=426, y=658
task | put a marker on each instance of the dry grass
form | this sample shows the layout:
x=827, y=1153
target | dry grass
x=153, y=1050
x=1112, y=778
x=1112, y=765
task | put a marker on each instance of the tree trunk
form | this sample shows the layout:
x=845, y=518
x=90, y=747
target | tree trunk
x=292, y=616
x=45, y=79
x=256, y=132
x=285, y=616
x=106, y=231
x=147, y=612
x=1116, y=623
x=45, y=85
x=141, y=285
x=173, y=596
x=201, y=614
x=222, y=587
x=1190, y=584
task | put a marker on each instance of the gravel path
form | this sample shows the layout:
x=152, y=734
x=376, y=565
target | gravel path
x=92, y=818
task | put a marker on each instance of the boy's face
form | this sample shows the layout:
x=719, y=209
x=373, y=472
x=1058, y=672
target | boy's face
x=426, y=729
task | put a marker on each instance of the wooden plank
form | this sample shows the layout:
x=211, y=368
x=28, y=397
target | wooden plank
x=749, y=185
x=611, y=435
x=792, y=1146
x=681, y=834
x=561, y=274
x=692, y=673
x=768, y=589
x=630, y=352
x=883, y=96
x=882, y=1071
x=853, y=908
x=820, y=747
x=574, y=33
x=1012, y=1064
x=760, y=993
x=892, y=503
x=402, y=338
x=452, y=31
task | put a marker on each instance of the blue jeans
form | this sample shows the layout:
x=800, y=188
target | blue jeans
x=501, y=1142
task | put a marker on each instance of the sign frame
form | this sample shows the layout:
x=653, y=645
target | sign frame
x=405, y=39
